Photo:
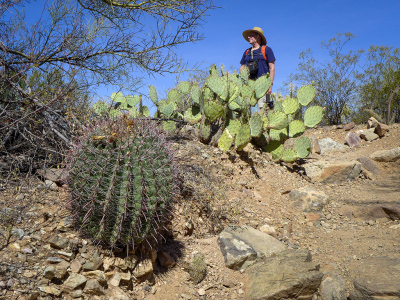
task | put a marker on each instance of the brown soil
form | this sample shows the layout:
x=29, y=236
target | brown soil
x=234, y=189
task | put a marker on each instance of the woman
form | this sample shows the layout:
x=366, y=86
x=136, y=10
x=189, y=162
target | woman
x=254, y=54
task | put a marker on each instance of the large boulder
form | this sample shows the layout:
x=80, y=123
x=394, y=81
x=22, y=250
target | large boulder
x=375, y=278
x=287, y=275
x=241, y=246
x=327, y=172
x=328, y=145
x=308, y=198
x=386, y=155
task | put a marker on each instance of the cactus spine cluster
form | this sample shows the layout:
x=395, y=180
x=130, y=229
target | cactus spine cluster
x=122, y=180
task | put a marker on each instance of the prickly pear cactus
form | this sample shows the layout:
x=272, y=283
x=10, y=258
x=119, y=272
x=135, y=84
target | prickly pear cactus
x=122, y=180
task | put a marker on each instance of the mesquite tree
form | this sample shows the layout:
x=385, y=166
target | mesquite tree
x=84, y=43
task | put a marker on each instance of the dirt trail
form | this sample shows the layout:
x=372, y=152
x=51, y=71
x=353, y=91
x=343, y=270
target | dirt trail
x=254, y=194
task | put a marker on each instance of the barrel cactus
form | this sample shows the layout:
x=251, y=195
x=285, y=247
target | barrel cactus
x=122, y=179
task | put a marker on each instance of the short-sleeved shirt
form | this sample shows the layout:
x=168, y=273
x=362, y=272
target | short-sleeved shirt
x=263, y=67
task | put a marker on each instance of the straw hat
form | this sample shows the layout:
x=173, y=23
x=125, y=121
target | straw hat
x=259, y=31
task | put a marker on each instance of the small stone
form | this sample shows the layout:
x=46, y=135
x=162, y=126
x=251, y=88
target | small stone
x=93, y=287
x=144, y=268
x=20, y=197
x=51, y=185
x=58, y=242
x=76, y=266
x=349, y=126
x=54, y=260
x=18, y=233
x=268, y=230
x=229, y=283
x=115, y=280
x=74, y=281
x=14, y=247
x=49, y=272
x=94, y=264
x=76, y=294
x=201, y=292
x=153, y=289
x=27, y=251
x=50, y=290
x=166, y=260
x=146, y=288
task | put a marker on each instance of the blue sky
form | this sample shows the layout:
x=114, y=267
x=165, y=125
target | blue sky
x=290, y=27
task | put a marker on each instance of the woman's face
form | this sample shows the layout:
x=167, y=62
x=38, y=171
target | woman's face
x=252, y=37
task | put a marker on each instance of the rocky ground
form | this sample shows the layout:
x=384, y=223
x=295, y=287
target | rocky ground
x=43, y=257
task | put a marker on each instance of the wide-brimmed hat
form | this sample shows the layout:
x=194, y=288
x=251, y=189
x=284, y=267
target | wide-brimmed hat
x=259, y=31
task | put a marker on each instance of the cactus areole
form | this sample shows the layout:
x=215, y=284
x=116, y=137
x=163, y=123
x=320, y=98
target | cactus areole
x=122, y=180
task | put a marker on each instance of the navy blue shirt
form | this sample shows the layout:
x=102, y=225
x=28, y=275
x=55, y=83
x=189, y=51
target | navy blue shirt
x=263, y=67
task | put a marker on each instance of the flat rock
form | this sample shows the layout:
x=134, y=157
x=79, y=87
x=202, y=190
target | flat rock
x=55, y=175
x=375, y=278
x=287, y=275
x=308, y=198
x=51, y=290
x=393, y=212
x=372, y=123
x=352, y=139
x=116, y=293
x=74, y=281
x=93, y=287
x=329, y=145
x=326, y=172
x=243, y=245
x=143, y=269
x=333, y=287
x=386, y=155
x=381, y=129
x=58, y=242
x=369, y=165
x=368, y=135
x=349, y=126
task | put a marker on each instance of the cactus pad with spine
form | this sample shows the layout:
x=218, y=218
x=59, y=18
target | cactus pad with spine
x=218, y=85
x=306, y=94
x=117, y=97
x=168, y=109
x=313, y=116
x=122, y=185
x=243, y=137
x=256, y=125
x=213, y=110
x=262, y=85
x=226, y=140
x=192, y=114
x=173, y=95
x=290, y=105
x=195, y=94
x=153, y=94
x=184, y=87
x=205, y=130
x=303, y=146
x=296, y=128
x=289, y=155
x=277, y=120
x=278, y=134
x=275, y=148
x=100, y=107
